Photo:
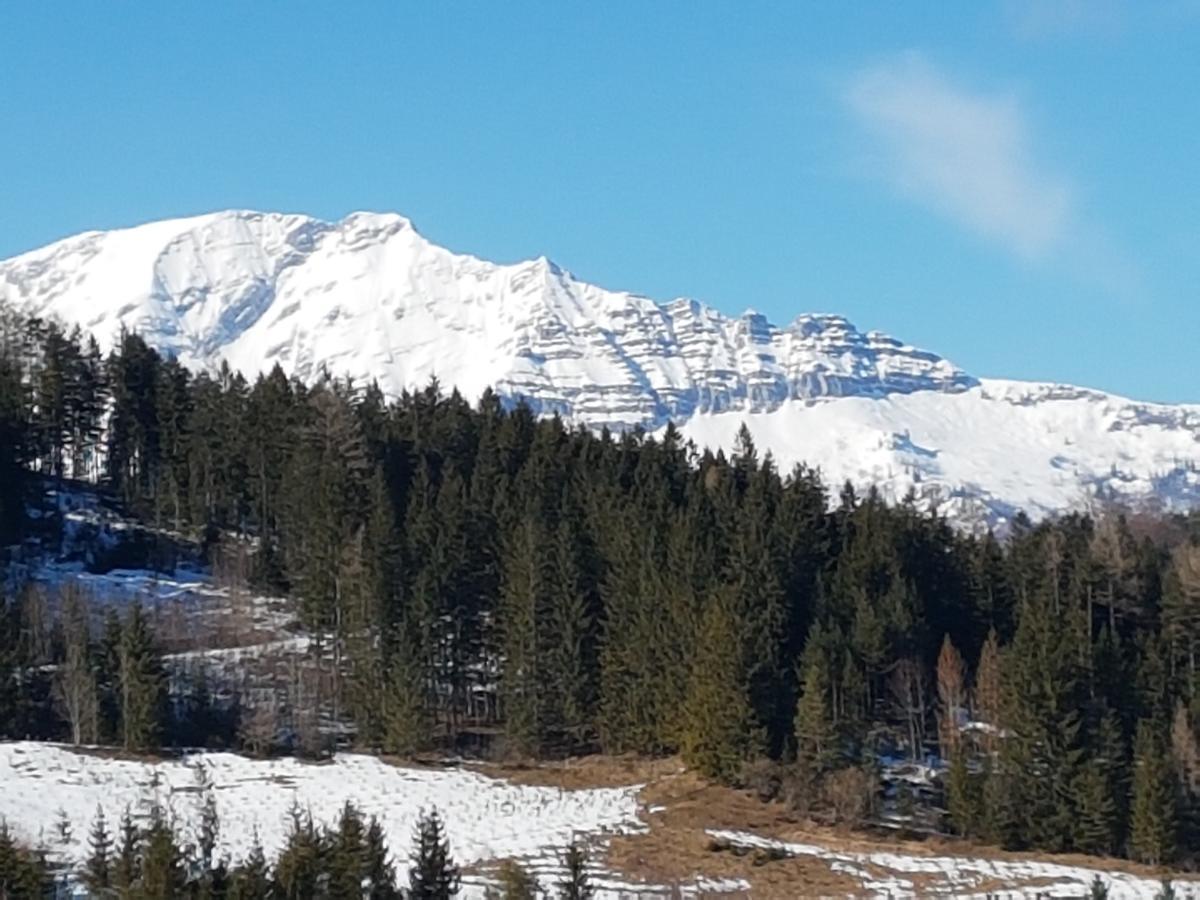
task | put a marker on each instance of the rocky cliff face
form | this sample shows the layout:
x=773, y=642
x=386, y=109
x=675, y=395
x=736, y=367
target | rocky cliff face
x=370, y=296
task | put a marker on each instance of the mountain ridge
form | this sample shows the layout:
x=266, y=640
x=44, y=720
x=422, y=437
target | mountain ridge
x=370, y=297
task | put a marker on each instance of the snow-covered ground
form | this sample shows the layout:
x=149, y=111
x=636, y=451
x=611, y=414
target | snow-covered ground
x=894, y=875
x=486, y=818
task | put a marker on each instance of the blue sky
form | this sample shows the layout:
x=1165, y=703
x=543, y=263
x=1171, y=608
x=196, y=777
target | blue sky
x=1014, y=185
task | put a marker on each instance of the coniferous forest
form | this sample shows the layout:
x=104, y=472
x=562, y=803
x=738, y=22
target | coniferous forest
x=480, y=580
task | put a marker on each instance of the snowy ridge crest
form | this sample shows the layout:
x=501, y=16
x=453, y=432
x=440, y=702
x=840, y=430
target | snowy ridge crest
x=370, y=296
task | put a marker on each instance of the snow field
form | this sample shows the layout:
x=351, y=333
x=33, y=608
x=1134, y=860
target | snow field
x=486, y=818
x=883, y=874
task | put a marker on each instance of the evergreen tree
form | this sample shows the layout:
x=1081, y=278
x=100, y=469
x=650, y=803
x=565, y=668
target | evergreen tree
x=97, y=873
x=405, y=722
x=301, y=863
x=1096, y=819
x=523, y=603
x=251, y=879
x=575, y=884
x=161, y=872
x=721, y=733
x=816, y=739
x=962, y=796
x=347, y=855
x=513, y=882
x=433, y=874
x=378, y=874
x=141, y=683
x=1152, y=808
x=22, y=873
x=126, y=868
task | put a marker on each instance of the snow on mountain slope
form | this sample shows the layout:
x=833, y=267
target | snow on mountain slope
x=983, y=454
x=370, y=297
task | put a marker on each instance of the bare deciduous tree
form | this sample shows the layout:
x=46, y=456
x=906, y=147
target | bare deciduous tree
x=75, y=682
x=1184, y=750
x=952, y=694
x=260, y=725
x=911, y=701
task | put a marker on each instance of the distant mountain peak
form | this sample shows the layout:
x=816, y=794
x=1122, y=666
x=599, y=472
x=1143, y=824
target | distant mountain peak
x=370, y=297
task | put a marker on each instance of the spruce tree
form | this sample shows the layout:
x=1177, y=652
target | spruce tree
x=161, y=872
x=523, y=602
x=1096, y=817
x=962, y=795
x=141, y=683
x=404, y=719
x=378, y=874
x=1152, y=807
x=347, y=855
x=251, y=879
x=126, y=868
x=513, y=882
x=301, y=864
x=575, y=884
x=816, y=739
x=433, y=874
x=720, y=733
x=97, y=872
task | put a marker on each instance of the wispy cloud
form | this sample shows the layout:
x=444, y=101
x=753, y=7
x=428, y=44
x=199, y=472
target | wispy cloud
x=964, y=154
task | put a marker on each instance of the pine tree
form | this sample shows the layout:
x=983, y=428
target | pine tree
x=209, y=830
x=988, y=691
x=299, y=867
x=405, y=721
x=1096, y=817
x=1152, y=808
x=720, y=734
x=378, y=873
x=162, y=871
x=567, y=663
x=523, y=602
x=141, y=682
x=575, y=884
x=347, y=855
x=126, y=869
x=433, y=874
x=962, y=795
x=513, y=882
x=98, y=868
x=1098, y=890
x=251, y=879
x=22, y=873
x=816, y=748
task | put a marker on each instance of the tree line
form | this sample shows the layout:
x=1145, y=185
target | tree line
x=477, y=575
x=339, y=861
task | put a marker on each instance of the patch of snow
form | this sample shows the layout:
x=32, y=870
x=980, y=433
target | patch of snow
x=486, y=818
x=882, y=873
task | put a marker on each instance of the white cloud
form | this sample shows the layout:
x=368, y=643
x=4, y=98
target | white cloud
x=963, y=154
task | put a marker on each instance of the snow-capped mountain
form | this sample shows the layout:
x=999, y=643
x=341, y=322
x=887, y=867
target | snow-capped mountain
x=370, y=297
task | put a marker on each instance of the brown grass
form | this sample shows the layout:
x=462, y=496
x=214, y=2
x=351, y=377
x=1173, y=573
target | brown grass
x=680, y=807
